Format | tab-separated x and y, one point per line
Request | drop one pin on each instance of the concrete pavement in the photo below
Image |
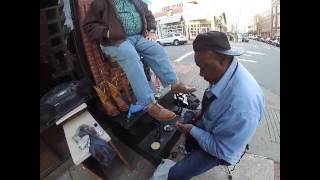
261	162
250	167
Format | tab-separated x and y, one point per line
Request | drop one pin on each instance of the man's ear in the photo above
222	60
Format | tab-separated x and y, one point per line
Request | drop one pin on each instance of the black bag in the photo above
58	102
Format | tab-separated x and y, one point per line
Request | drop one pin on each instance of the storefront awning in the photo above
170	19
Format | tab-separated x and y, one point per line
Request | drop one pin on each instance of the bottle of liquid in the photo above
98	129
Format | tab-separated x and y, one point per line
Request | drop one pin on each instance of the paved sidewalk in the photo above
250	167
260	163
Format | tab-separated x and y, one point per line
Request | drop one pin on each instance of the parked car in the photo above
261	39
239	37
245	39
175	39
268	40
276	43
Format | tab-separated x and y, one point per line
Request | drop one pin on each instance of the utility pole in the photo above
237	25
238	19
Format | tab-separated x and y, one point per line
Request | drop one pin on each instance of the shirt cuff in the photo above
152	30
196	132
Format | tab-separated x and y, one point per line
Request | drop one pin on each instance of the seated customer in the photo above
125	29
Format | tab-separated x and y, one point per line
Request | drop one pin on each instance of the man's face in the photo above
212	67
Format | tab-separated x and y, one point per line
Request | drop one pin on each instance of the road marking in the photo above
247	55
184	56
247	60
254	52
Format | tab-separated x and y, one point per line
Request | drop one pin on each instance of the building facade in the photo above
188	18
275	14
220	23
266	24
170	20
262	24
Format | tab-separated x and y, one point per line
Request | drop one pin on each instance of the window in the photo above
274	22
278	8
273	10
278	21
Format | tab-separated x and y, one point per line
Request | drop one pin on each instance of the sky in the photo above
242	10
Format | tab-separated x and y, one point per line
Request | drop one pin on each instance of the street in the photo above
262	61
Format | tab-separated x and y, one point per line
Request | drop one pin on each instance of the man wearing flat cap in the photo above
232	107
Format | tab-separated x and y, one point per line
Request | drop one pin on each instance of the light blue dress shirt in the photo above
232	118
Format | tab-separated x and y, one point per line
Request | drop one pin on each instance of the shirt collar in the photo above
218	88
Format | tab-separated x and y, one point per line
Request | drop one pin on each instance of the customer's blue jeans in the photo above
194	163
127	55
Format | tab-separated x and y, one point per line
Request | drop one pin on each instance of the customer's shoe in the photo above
116	96
182	88
122	105
110	109
126	87
159	113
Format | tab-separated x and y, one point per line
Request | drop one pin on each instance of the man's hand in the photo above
196	115
184	128
151	36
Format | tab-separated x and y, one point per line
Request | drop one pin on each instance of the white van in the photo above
175	39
